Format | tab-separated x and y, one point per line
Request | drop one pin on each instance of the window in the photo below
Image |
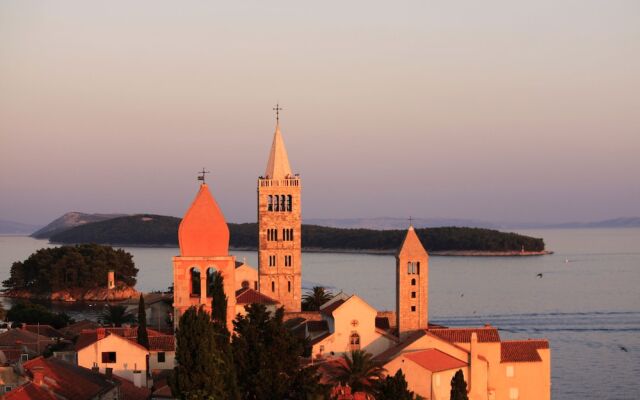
7	388
273	286
270	203
289	201
282	203
255	285
195	281
413	282
510	371
289	286
321	348
354	341
409	267
413	308
24	357
272	261
413	295
513	394
287	261
418	268
161	357
108	356
211	273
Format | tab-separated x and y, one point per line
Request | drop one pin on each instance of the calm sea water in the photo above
587	302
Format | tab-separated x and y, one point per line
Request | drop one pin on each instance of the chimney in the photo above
137	378
108	372
95	369
474	370
100	333
38	375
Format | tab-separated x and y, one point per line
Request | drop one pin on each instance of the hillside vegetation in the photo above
157	230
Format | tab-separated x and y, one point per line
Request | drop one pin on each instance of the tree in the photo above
29	313
222	335
393	388
200	371
311	301
458	387
117	315
266	356
359	371
143	335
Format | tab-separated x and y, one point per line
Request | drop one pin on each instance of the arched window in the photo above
211	275
289	286
270	203
282	203
413	282
275	235
245	284
418	267
195	281
289	202
276	203
354	341
273	286
409	268
291	236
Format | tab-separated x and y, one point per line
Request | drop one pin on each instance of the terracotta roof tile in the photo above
15	338
29	391
158	341
328	310
162	343
522	350
129	391
390	353
463	335
44	330
250	296
435	360
74	330
70	381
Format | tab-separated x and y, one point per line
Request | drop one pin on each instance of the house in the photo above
246	296
10	379
44	330
246	276
28	343
117	350
158	307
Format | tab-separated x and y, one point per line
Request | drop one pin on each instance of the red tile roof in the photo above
328	310
129	391
73	330
12	355
463	335
44	330
14	338
162	343
390	353
250	296
158	341
522	350
70	381
29	391
435	360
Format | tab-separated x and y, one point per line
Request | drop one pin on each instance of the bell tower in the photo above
279	228
203	236
412	290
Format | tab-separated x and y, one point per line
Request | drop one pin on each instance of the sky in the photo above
500	111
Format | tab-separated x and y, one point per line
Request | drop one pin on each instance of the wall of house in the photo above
129	356
530	380
169	357
246	273
418	378
441	383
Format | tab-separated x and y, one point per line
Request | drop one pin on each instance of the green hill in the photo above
159	230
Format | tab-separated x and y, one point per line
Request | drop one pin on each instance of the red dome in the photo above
203	231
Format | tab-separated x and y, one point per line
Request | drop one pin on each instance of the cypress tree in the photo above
143	336
200	370
458	387
393	388
222	335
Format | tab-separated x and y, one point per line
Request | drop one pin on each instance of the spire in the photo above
203	231
411	245
278	165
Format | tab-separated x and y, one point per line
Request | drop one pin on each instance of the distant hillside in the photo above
70	220
158	230
397	223
16	228
629	222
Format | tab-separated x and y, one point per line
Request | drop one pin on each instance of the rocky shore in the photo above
120	292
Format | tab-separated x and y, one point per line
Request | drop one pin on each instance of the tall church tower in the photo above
279	229
412	290
203	236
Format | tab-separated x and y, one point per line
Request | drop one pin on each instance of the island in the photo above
159	230
73	273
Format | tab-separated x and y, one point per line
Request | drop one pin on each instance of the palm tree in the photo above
312	300
117	315
359	371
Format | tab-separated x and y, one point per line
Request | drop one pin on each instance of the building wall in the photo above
248	274
412	294
280	282
129	356
441	383
418	378
530	379
169	363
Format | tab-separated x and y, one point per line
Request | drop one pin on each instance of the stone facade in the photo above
412	279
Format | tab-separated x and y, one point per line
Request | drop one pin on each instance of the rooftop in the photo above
435	360
522	350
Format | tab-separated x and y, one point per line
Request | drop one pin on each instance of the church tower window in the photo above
195	282
270	203
273	286
211	272
354	341
289	286
289	205
413	282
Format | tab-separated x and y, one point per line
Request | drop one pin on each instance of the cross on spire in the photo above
201	174
410	221
277	109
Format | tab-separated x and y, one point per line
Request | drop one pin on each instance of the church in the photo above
429	355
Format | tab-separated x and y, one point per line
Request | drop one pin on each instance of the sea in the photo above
584	298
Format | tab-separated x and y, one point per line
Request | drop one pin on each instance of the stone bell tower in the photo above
412	290
204	249
279	229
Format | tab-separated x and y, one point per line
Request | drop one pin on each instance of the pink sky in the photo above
495	110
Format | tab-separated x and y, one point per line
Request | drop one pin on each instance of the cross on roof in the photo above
277	109
410	221
201	174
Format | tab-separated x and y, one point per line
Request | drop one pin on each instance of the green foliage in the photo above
143	335
393	388
312	300
458	387
359	371
29	313
81	266
116	315
200	370
266	356
162	230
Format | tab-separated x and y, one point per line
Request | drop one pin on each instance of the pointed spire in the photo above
278	166
411	245
203	231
